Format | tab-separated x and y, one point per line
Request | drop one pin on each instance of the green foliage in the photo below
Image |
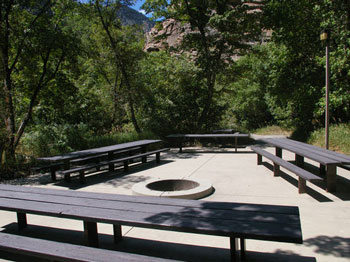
339	138
172	94
219	30
247	89
58	139
298	89
273	130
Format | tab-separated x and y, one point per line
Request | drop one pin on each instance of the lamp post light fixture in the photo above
325	37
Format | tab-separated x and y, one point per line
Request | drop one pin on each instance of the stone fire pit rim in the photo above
203	189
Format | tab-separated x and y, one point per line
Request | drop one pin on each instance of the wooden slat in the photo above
207	135
156	200
308	154
155	209
66	252
99	150
165	221
107	162
321	151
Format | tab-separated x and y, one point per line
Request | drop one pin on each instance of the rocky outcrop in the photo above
168	35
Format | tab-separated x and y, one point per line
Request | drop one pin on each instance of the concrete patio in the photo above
325	217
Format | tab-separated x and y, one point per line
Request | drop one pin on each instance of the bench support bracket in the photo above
331	177
233	248
117	230
302	185
276	169
259	159
21	220
90	234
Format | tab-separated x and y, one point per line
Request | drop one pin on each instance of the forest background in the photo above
73	77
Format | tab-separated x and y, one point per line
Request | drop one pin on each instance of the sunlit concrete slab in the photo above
236	177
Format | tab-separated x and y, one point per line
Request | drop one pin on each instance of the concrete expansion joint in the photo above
206	162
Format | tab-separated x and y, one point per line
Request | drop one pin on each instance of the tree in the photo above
121	55
220	31
34	48
297	86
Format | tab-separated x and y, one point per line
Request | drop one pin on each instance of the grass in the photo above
339	138
273	130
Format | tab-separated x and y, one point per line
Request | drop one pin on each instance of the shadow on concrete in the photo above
148	247
212	151
278	256
291	180
342	184
336	246
117	178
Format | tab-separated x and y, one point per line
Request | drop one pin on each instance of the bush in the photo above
339	138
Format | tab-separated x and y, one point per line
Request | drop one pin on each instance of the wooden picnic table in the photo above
228	219
329	160
181	137
110	150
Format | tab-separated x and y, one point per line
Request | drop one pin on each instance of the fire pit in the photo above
174	188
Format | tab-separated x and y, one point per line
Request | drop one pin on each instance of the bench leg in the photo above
299	160
110	157
67	177
53	173
322	170
82	177
21	220
144	158
233	248
158	157
90	234
111	167
117	230
243	246
331	178
279	152
259	159
276	169
302	185
126	166
236	144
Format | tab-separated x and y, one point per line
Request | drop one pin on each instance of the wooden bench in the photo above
52	167
125	160
277	162
57	251
233	220
100	157
328	159
181	137
109	150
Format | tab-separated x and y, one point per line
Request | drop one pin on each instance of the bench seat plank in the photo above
303	174
233	220
155	200
66	252
182	222
155	209
322	151
302	152
82	169
138	217
287	165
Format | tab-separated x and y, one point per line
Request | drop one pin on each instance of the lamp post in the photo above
325	36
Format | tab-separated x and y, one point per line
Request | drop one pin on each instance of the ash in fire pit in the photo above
174	188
